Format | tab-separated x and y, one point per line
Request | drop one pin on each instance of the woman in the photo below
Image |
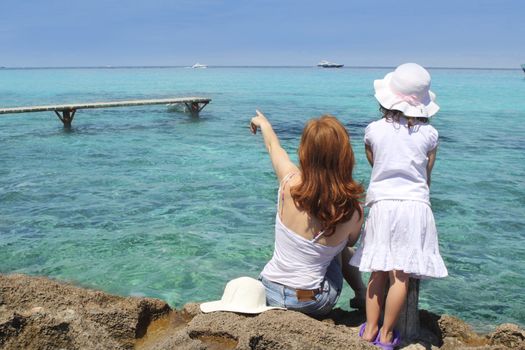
318	215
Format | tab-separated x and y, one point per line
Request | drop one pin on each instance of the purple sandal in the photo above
362	331
388	346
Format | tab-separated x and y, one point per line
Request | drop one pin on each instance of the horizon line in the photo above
239	66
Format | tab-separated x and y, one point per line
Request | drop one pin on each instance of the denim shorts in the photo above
283	296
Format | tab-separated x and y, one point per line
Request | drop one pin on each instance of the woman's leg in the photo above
374	303
395	300
352	276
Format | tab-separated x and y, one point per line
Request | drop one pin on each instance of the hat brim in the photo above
389	100
219	305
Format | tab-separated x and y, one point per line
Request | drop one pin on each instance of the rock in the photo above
274	329
191	310
69	317
451	343
415	347
270	330
10	326
36	310
430	321
453	327
509	335
39	313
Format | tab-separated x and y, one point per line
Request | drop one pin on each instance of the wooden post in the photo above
408	322
66	117
194	108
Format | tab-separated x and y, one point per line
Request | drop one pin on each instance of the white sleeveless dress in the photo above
400	232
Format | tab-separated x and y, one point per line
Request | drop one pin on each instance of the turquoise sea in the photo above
150	202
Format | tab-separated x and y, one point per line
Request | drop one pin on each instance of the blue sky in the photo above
457	33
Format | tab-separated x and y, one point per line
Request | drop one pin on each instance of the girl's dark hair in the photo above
391	115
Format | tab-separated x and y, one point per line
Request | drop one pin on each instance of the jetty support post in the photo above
66	117
195	107
408	323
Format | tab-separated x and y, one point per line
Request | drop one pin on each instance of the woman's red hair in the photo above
327	191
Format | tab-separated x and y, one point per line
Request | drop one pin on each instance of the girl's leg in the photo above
395	300
352	276
374	303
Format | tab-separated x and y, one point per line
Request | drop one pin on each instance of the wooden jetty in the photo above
66	112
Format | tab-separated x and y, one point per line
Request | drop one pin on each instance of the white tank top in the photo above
298	262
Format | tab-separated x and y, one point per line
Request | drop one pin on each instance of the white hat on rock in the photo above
407	89
244	295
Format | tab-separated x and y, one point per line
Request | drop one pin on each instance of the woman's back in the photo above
303	250
307	226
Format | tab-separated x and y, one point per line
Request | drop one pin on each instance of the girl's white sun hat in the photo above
407	89
244	295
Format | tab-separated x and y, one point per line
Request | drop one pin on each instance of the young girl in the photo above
400	237
318	215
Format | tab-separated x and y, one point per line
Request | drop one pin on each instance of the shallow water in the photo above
146	201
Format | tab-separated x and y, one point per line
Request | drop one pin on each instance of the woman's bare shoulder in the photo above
355	222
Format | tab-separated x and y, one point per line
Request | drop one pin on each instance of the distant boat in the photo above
326	64
523	67
198	65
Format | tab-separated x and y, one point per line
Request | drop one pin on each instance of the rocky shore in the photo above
40	313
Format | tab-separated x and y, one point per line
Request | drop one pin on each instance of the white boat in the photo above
523	67
326	64
198	65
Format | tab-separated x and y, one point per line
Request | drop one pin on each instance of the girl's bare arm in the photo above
369	154
431	160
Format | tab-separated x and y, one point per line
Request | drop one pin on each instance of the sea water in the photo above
146	201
